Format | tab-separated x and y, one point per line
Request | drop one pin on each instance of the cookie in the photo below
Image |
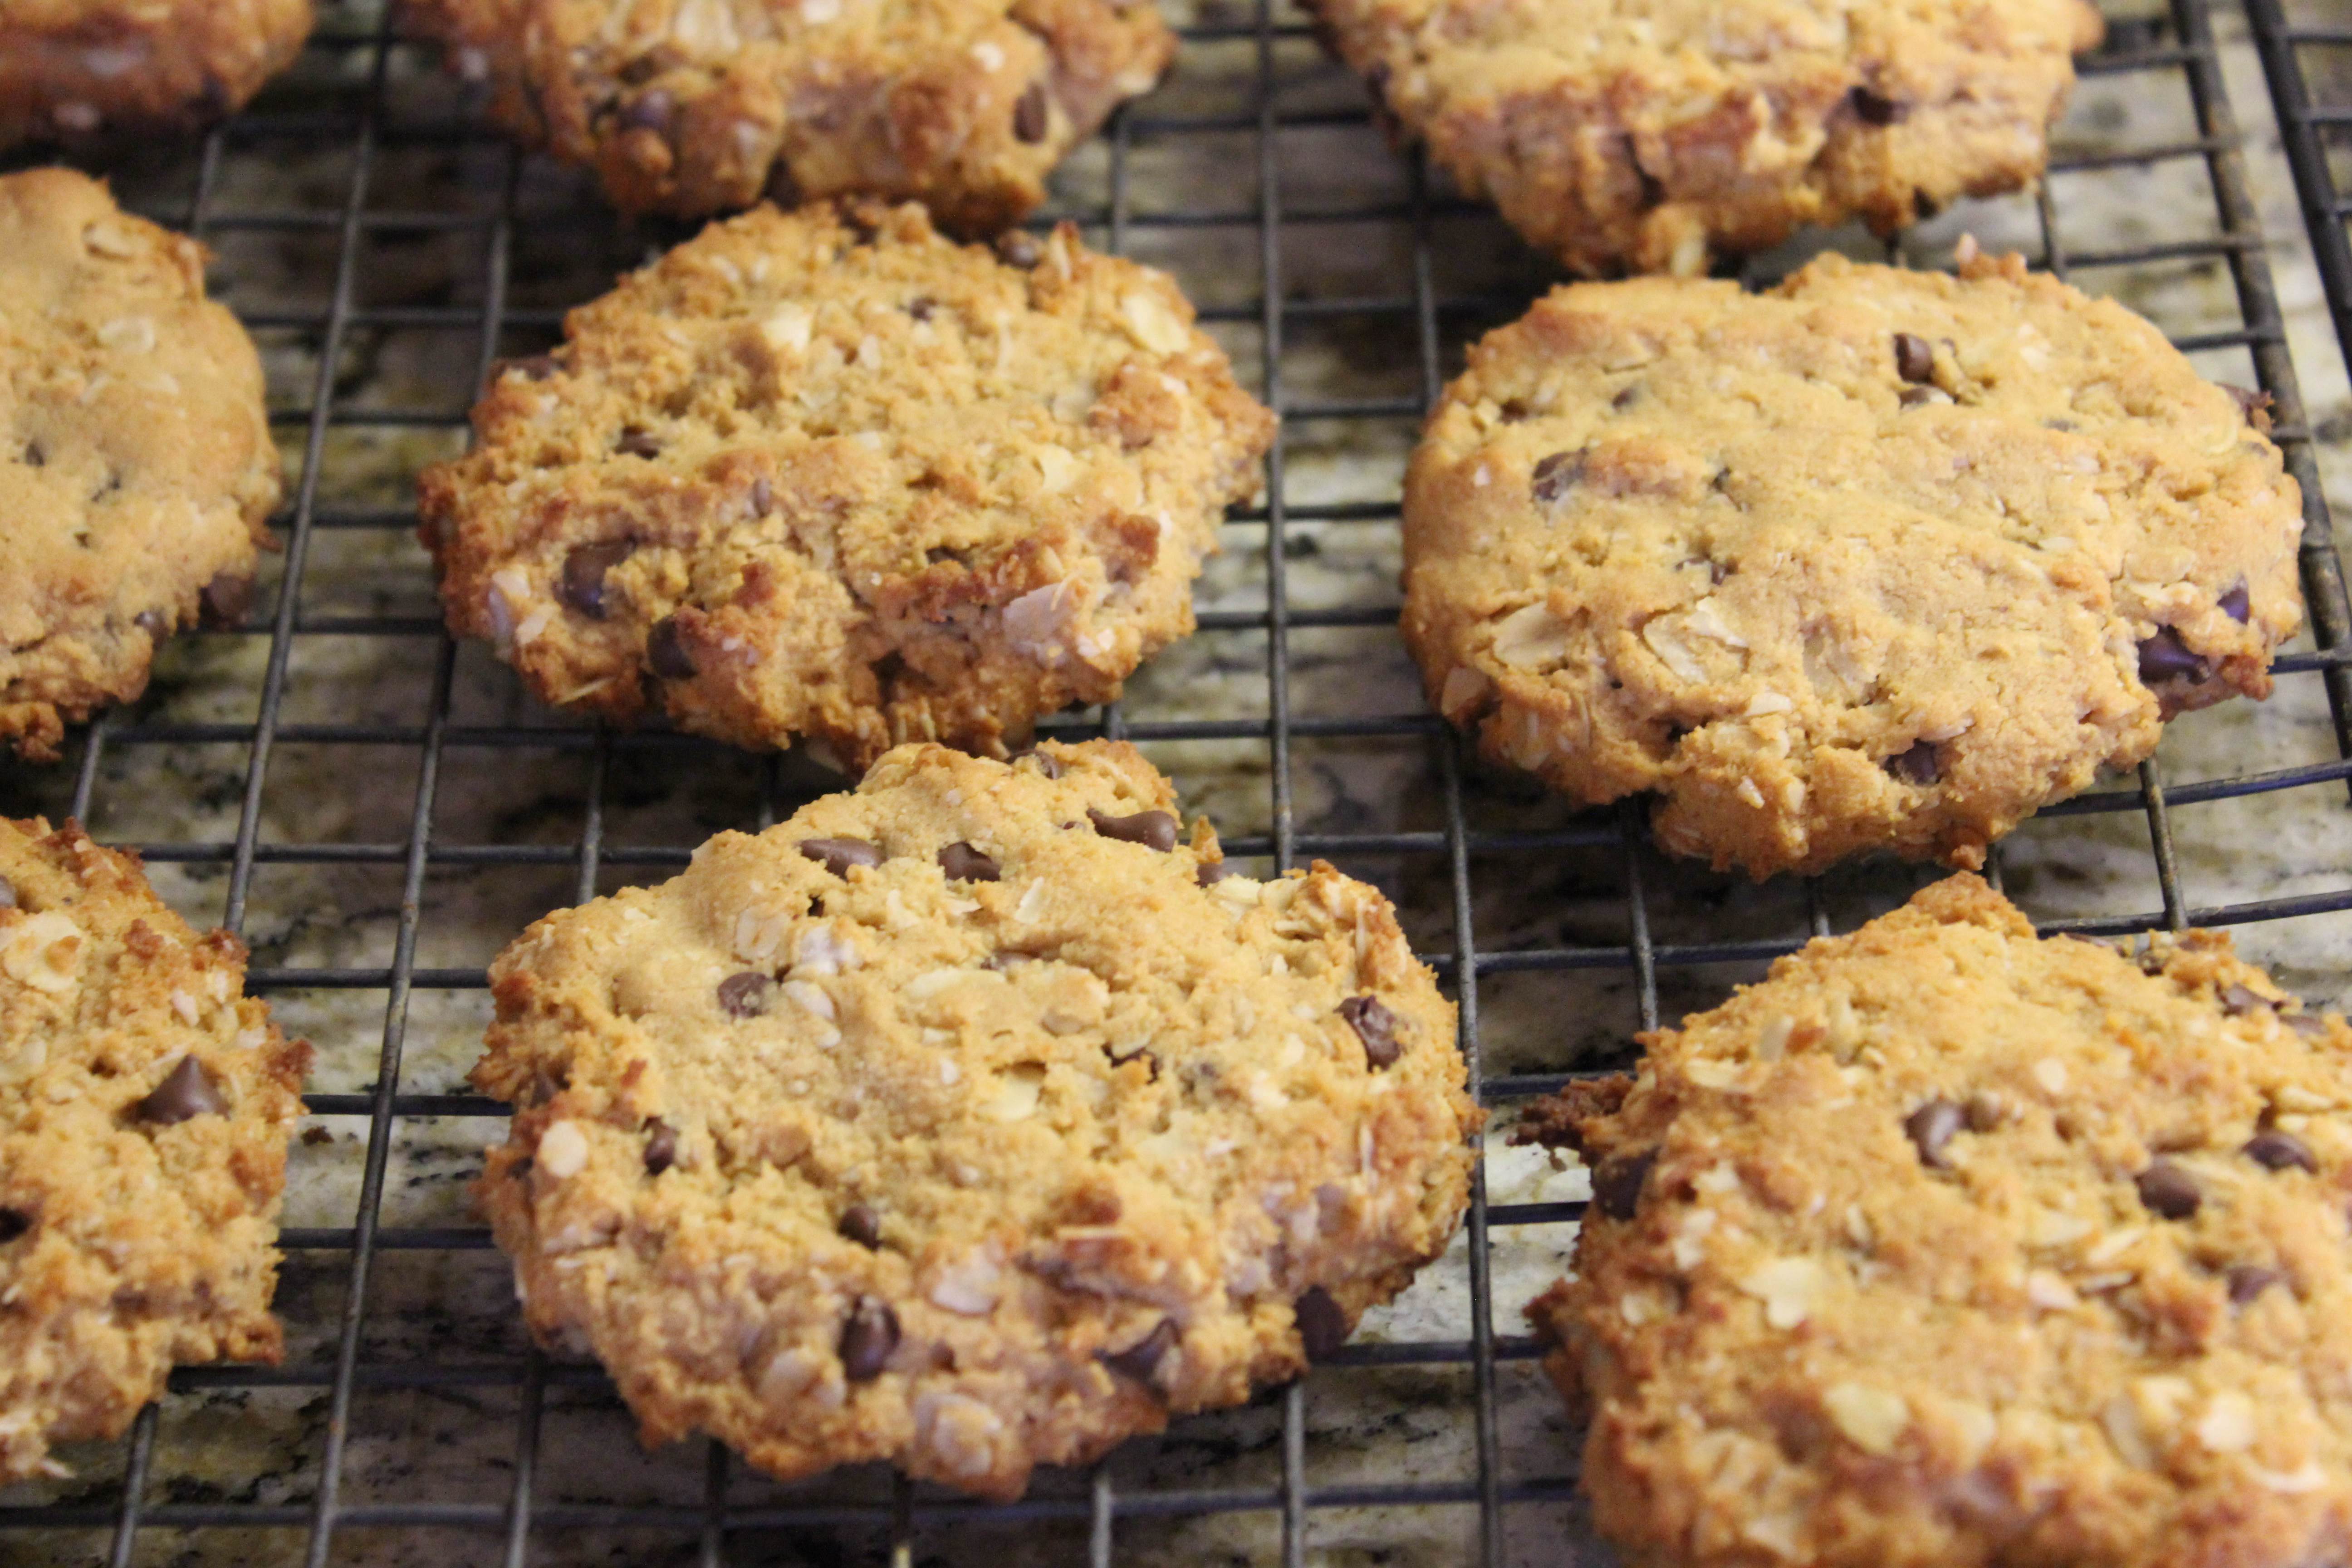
827	474
973	1120
136	469
1650	134
72	68
692	108
1947	1246
1877	559
144	1108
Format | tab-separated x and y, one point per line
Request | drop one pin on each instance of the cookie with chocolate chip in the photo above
136	467
968	1121
1877	559
1649	135
73	69
1947	1245
696	108
827	474
145	1104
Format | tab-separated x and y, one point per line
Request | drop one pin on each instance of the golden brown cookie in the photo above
1946	1246
71	68
144	1108
971	1120
136	467
827	474
1877	559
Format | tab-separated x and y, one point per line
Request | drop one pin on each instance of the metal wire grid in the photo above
2182	46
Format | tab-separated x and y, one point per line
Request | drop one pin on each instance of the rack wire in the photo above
1349	354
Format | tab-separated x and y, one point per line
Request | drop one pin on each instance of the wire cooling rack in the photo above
376	809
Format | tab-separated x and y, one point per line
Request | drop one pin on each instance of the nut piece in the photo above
1872	1419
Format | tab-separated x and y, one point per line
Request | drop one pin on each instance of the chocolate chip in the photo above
225	599
36	456
867	1339
2235	604
1045	761
650	112
1983	1111
2164	657
1917	764
2311	1025
2275	1151
2237	1000
543	1086
14	1223
1872	109
185	1092
2254	405
2247	1280
1626	397
1617	1183
1019	248
661	1139
1555	477
519	1171
1139	1359
1212	872
1029	116
838	855
1931	1127
1921	396
666	651
1152	829
962	863
861	1225
154	623
1914	358
1322	1326
2167	1190
1375	1025
922	307
538	367
582	584
746	995
636	443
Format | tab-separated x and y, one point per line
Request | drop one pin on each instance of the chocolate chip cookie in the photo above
1649	135
136	467
827	474
1877	559
972	1119
72	68
1948	1246
144	1108
692	107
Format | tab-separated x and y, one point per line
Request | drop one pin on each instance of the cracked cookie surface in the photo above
1648	135
70	69
1877	559
144	1108
1945	1244
827	474
136	467
971	1120
696	107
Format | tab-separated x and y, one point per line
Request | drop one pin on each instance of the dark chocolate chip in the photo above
1983	1111
1019	248
1931	1127
185	1092
922	307
1873	109
1212	872
581	585
1914	358
861	1225
1921	396
543	1086
1044	761
1152	829
35	455
1030	117
2309	1025
225	599
962	863
2164	657
763	498
838	855
2275	1151
2247	1280
2235	604
1322	1326
666	651
519	1171
650	112
1139	1359
661	1140
2237	1000
1555	477
636	443
1375	1025
1626	397
1617	1183
1917	764
2254	405
2167	1190
746	995
14	1223
867	1339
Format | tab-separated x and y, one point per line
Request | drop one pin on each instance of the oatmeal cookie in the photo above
71	68
973	1120
144	1108
827	474
1648	135
692	107
136	467
1880	558
1949	1246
